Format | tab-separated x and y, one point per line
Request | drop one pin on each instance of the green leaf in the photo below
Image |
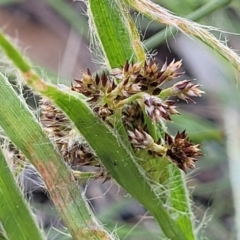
171	188
22	128
16	217
115	32
200	12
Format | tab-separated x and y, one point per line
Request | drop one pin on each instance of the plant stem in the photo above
160	37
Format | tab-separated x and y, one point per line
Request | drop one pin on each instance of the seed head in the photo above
71	145
94	87
133	116
169	72
181	151
186	89
140	139
132	91
158	109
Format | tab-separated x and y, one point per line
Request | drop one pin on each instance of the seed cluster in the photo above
136	92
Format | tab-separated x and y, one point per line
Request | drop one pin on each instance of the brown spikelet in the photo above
186	89
181	151
140	139
158	109
75	151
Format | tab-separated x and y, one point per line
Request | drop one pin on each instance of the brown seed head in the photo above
186	89
140	139
181	151
94	87
158	109
169	72
74	150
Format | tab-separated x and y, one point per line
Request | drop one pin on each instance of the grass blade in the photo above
115	31
199	13
25	132
16	217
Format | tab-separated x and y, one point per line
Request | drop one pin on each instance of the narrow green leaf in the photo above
11	51
172	190
180	201
15	216
23	129
203	33
117	35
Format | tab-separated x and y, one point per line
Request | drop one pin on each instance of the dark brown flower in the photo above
126	88
181	151
169	72
158	109
185	90
133	116
103	111
70	144
147	78
128	83
129	70
140	139
94	87
152	78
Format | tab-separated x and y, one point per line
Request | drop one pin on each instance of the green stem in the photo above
129	99
166	93
19	61
160	37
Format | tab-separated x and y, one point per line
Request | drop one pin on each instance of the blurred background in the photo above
54	36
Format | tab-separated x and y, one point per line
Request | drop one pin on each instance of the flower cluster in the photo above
58	127
136	91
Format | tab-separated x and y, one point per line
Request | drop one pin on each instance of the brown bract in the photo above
94	87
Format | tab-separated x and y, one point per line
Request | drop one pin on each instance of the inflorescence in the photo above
136	93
